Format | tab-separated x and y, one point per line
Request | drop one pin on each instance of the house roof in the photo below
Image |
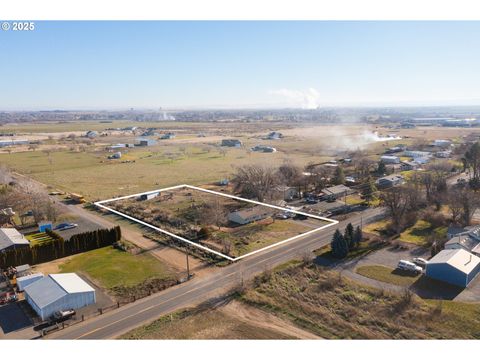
460	259
10	236
337	189
391	178
253	211
464	240
455	230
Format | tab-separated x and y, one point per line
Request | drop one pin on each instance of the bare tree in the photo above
289	173
399	201
455	206
470	203
255	181
213	213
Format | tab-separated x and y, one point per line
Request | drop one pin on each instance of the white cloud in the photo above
306	99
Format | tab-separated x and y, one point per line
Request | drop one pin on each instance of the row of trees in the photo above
24	195
259	182
58	247
341	244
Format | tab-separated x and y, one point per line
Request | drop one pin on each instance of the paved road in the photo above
197	290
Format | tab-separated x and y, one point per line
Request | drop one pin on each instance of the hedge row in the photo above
58	247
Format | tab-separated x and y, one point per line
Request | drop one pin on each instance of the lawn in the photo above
376	228
418	233
386	275
113	268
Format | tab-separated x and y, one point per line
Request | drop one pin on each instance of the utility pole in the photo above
188	265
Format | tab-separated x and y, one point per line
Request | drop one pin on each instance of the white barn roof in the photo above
460	259
71	283
10	236
55	286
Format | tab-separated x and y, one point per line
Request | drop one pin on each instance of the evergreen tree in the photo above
339	177
370	190
348	235
381	169
357	236
339	245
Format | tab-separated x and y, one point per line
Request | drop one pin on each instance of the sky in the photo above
119	65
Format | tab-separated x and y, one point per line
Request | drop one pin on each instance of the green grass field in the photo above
386	275
112	267
418	233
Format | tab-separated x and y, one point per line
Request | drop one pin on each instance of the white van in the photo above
408	266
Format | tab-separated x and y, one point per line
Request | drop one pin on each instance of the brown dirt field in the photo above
231	321
266	320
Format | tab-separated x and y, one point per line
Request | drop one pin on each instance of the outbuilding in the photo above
454	266
10	239
390	159
58	292
24	281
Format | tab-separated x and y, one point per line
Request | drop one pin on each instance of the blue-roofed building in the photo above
454	266
58	292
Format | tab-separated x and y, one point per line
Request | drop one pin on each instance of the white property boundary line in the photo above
100	205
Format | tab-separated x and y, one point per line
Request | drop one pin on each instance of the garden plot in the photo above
225	225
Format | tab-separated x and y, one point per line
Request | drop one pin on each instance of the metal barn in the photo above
59	292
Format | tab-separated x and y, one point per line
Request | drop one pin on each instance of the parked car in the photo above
311	200
420	261
281	216
301	217
62	315
409	266
65	226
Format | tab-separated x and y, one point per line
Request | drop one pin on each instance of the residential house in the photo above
263	148
389	181
336	192
231	142
442	143
249	215
274	135
389	159
167	136
408	165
